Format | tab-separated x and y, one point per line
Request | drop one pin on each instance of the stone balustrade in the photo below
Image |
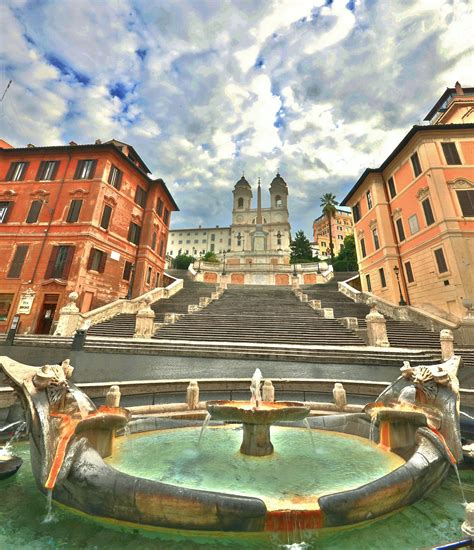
315	304
71	319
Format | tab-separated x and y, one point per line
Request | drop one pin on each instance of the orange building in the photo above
84	218
415	213
341	225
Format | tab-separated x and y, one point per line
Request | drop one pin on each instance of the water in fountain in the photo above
464	501
310	431
5	450
205	424
82	402
50	517
256	396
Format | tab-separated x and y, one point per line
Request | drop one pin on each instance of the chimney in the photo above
30	145
98	141
458	88
72	143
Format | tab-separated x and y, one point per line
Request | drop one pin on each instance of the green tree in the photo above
301	249
328	204
210	257
346	260
182	261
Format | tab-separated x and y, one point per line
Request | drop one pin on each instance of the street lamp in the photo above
402	302
223	266
199	264
294	271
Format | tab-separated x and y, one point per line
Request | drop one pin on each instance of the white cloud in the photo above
204	90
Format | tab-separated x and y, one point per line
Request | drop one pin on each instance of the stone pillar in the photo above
328	312
376	328
295	283
447	344
268	391
112	399
192	395
350	322
144	320
339	394
69	317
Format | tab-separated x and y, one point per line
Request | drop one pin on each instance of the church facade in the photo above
254	229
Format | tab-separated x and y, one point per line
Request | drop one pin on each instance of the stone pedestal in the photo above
144	321
350	322
192	395
376	329
69	317
468	526
268	391
446	339
256	440
339	394
112	399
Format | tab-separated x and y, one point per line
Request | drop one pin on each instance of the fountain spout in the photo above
255	391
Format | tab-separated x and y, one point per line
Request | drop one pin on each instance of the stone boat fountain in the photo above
414	422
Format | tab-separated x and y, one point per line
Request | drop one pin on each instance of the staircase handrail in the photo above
71	319
348	290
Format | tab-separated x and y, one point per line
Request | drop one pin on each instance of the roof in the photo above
242	183
399	147
200	229
136	156
338	210
108	145
278	180
446	95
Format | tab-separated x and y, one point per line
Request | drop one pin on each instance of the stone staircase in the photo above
259	314
123	326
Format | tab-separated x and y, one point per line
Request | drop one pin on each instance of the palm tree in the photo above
328	204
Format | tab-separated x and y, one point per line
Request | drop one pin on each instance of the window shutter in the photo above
103	259
39	174
91	258
466	202
74	210
17	262
118	182
23	171
51	263
33	214
55	169
93	167
68	262
105	221
78	169
10	171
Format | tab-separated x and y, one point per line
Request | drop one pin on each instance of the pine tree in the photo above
301	249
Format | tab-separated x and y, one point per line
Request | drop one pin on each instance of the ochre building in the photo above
84	218
415	213
341	225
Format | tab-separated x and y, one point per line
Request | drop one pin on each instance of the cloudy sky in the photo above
206	89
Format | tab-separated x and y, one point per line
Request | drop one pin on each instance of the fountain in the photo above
256	417
415	425
9	463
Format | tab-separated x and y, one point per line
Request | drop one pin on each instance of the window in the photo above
127	271
18	260
153	241
162	247
451	153
278	202
428	211
47	170
240	203
106	214
369	199
148	276
369	285
5	304
413	223
159	207
74	210
134	233
59	262
97	260
383	282
415	162
85	169
140	196
375	233
5	209
356	212
34	212
17	171
212	247
166	216
115	177
401	231
188	241
441	262
362	248
409	272
213	237
466	202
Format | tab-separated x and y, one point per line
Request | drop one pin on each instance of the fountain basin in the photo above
9	465
266	412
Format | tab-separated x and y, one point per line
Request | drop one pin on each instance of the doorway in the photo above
48	309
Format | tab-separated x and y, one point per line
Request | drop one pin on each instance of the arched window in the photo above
240	203
278	202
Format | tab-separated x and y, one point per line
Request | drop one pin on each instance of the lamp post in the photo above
223	266
199	264
402	302
294	271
